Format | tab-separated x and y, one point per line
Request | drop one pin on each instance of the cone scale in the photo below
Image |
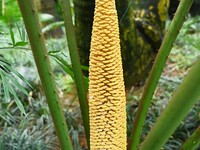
107	102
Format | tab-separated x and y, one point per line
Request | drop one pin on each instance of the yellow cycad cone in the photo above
107	102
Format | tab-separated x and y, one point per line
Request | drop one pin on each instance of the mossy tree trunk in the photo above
141	31
84	13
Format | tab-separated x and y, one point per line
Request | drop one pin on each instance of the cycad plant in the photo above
106	89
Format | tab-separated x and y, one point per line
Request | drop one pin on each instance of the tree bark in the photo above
141	25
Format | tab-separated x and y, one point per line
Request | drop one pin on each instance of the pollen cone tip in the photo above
107	102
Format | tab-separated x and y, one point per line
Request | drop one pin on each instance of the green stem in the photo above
156	71
39	50
78	76
193	141
180	104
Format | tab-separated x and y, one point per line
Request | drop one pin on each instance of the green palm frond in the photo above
10	84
